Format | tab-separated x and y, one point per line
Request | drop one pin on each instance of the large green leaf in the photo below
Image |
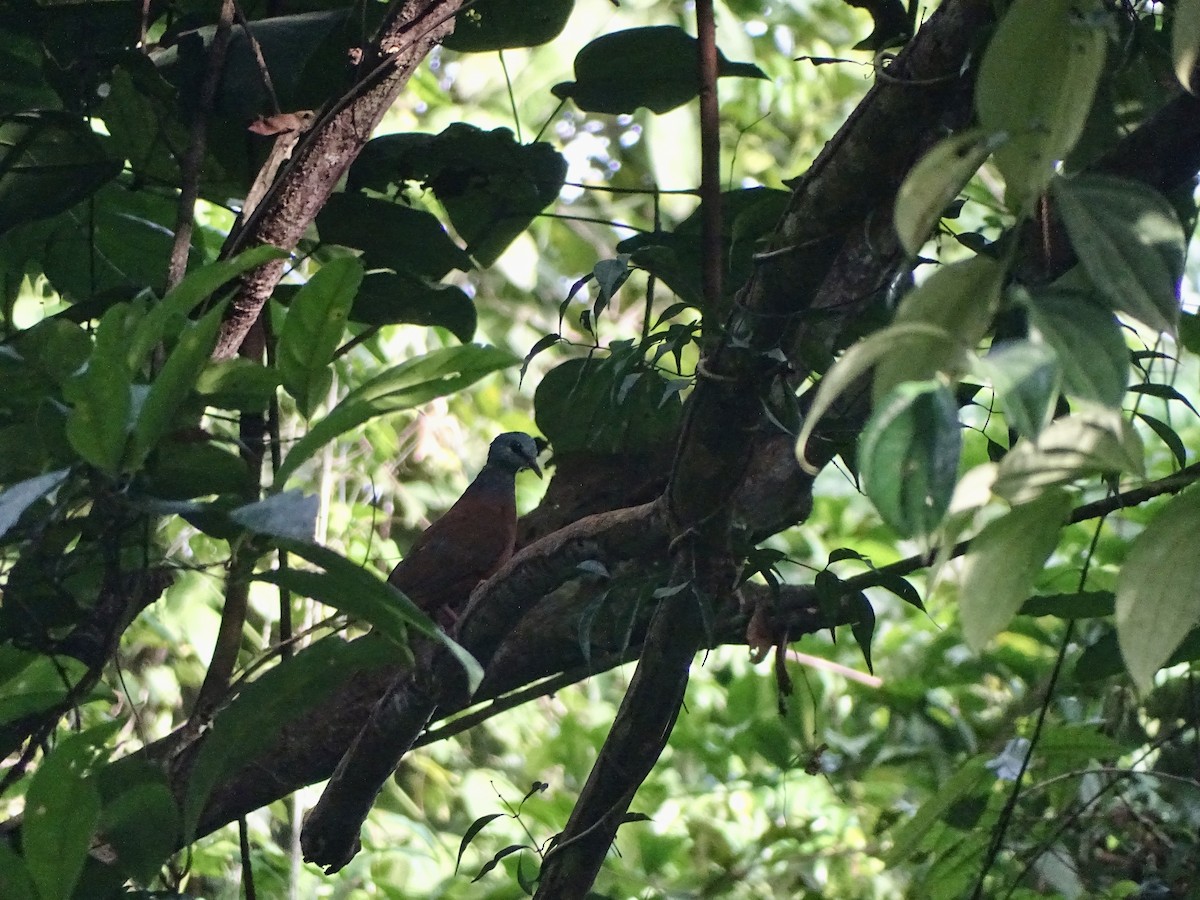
399	299
401	387
908	456
1088	341
1035	87
1157	597
315	323
960	301
1185	40
17	498
610	405
31	682
391	235
49	161
62	809
656	67
1003	562
934	181
491	187
1090	442
1129	241
502	24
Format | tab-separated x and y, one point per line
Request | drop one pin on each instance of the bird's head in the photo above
514	451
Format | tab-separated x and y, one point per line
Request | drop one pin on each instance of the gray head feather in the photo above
514	451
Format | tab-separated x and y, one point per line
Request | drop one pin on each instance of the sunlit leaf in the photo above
1088	341
933	182
1185	40
1157	599
1036	83
1130	242
1025	377
19	497
1002	563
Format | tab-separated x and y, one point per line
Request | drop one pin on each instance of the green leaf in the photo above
908	456
315	323
355	589
391	235
289	514
169	315
908	836
1036	83
503	24
1167	435
401	387
173	386
62	808
1003	562
656	67
612	405
1090	442
1025	377
19	497
1088	340
893	340
401	299
960	300
1185	40
31	682
1080	605
49	161
1130	243
15	880
1157	599
934	182
491	187
141	825
237	383
102	397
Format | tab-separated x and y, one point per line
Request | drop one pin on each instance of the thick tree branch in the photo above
322	156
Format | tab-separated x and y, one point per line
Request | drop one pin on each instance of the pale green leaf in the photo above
1025	377
1090	442
1129	241
401	387
1088	341
1036	84
959	299
1003	562
856	361
1158	588
934	181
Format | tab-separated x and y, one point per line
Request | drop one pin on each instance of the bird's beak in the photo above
534	466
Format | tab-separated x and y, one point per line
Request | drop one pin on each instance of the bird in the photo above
472	539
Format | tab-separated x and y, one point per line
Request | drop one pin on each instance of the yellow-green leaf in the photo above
934	181
1185	40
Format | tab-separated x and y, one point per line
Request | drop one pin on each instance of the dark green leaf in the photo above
1129	240
1164	392
49	161
1025	377
1168	436
863	627
901	588
469	835
391	235
655	67
141	825
31	682
908	455
102	397
315	323
237	383
387	299
495	860
186	470
490	186
1080	605
502	24
172	386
